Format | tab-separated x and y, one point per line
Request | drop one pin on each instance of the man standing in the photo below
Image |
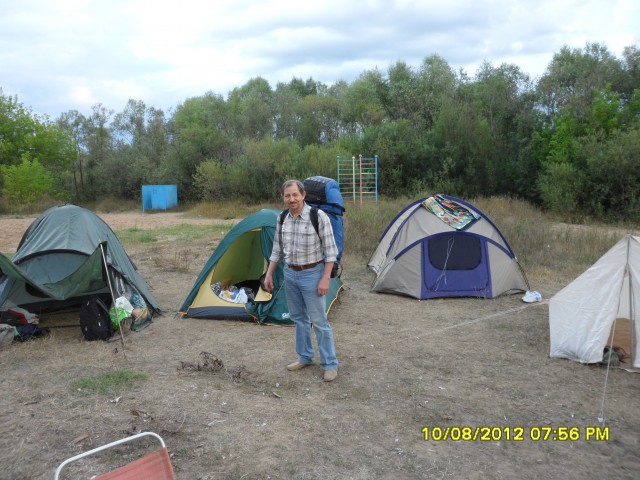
309	258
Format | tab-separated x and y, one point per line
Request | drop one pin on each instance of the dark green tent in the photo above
60	263
240	260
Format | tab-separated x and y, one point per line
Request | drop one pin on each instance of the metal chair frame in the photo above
162	460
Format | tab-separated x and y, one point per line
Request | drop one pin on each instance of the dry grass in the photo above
364	225
36	207
114	204
227	209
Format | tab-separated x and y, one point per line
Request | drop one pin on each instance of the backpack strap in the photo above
313	216
281	218
283	215
314	221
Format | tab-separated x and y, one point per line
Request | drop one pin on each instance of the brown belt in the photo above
297	268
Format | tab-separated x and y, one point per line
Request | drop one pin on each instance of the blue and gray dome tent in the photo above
59	263
441	246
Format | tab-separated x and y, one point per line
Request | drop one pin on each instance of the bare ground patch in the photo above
404	365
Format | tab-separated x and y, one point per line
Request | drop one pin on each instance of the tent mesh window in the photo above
455	252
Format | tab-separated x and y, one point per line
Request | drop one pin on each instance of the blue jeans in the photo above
306	307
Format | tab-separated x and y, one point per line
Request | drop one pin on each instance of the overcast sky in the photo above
59	55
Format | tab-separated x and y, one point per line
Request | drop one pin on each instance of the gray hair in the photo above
289	183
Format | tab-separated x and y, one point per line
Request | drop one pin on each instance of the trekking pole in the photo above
113	297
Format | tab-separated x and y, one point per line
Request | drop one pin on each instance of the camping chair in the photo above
153	466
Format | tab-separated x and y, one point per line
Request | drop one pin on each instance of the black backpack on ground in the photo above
95	321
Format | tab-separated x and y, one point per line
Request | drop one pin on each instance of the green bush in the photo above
211	181
560	187
25	183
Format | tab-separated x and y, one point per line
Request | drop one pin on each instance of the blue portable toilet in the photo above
159	197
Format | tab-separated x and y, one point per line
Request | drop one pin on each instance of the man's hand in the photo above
268	282
323	286
268	277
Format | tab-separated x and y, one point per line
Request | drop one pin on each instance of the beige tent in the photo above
441	246
598	308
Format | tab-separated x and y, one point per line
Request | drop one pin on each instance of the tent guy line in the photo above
471	322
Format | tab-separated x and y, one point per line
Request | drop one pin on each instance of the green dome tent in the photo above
240	260
59	263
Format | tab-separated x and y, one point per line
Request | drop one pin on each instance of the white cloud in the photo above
70	54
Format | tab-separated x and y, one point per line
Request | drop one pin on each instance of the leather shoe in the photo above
297	366
330	375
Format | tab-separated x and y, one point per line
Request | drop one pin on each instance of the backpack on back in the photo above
324	193
95	321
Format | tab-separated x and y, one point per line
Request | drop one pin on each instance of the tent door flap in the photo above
455	264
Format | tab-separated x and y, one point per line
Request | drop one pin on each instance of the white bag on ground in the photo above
7	334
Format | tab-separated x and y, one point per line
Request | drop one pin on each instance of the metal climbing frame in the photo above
358	179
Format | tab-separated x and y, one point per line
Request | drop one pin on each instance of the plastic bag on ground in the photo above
123	303
532	297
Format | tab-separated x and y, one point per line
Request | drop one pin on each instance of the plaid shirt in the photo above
300	245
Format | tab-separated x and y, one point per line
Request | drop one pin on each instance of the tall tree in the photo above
504	96
435	83
200	130
361	105
30	140
630	81
72	122
140	143
251	108
99	146
287	108
402	95
320	121
573	77
17	129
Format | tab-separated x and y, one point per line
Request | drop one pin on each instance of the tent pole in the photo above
113	297
632	320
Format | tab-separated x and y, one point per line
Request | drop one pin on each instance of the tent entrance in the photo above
621	337
455	264
243	261
241	265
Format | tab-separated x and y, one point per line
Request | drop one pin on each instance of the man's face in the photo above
293	198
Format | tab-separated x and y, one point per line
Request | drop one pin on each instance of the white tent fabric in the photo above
582	314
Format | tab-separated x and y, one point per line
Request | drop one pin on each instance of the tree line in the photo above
568	141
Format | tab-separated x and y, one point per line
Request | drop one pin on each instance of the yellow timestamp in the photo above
516	434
